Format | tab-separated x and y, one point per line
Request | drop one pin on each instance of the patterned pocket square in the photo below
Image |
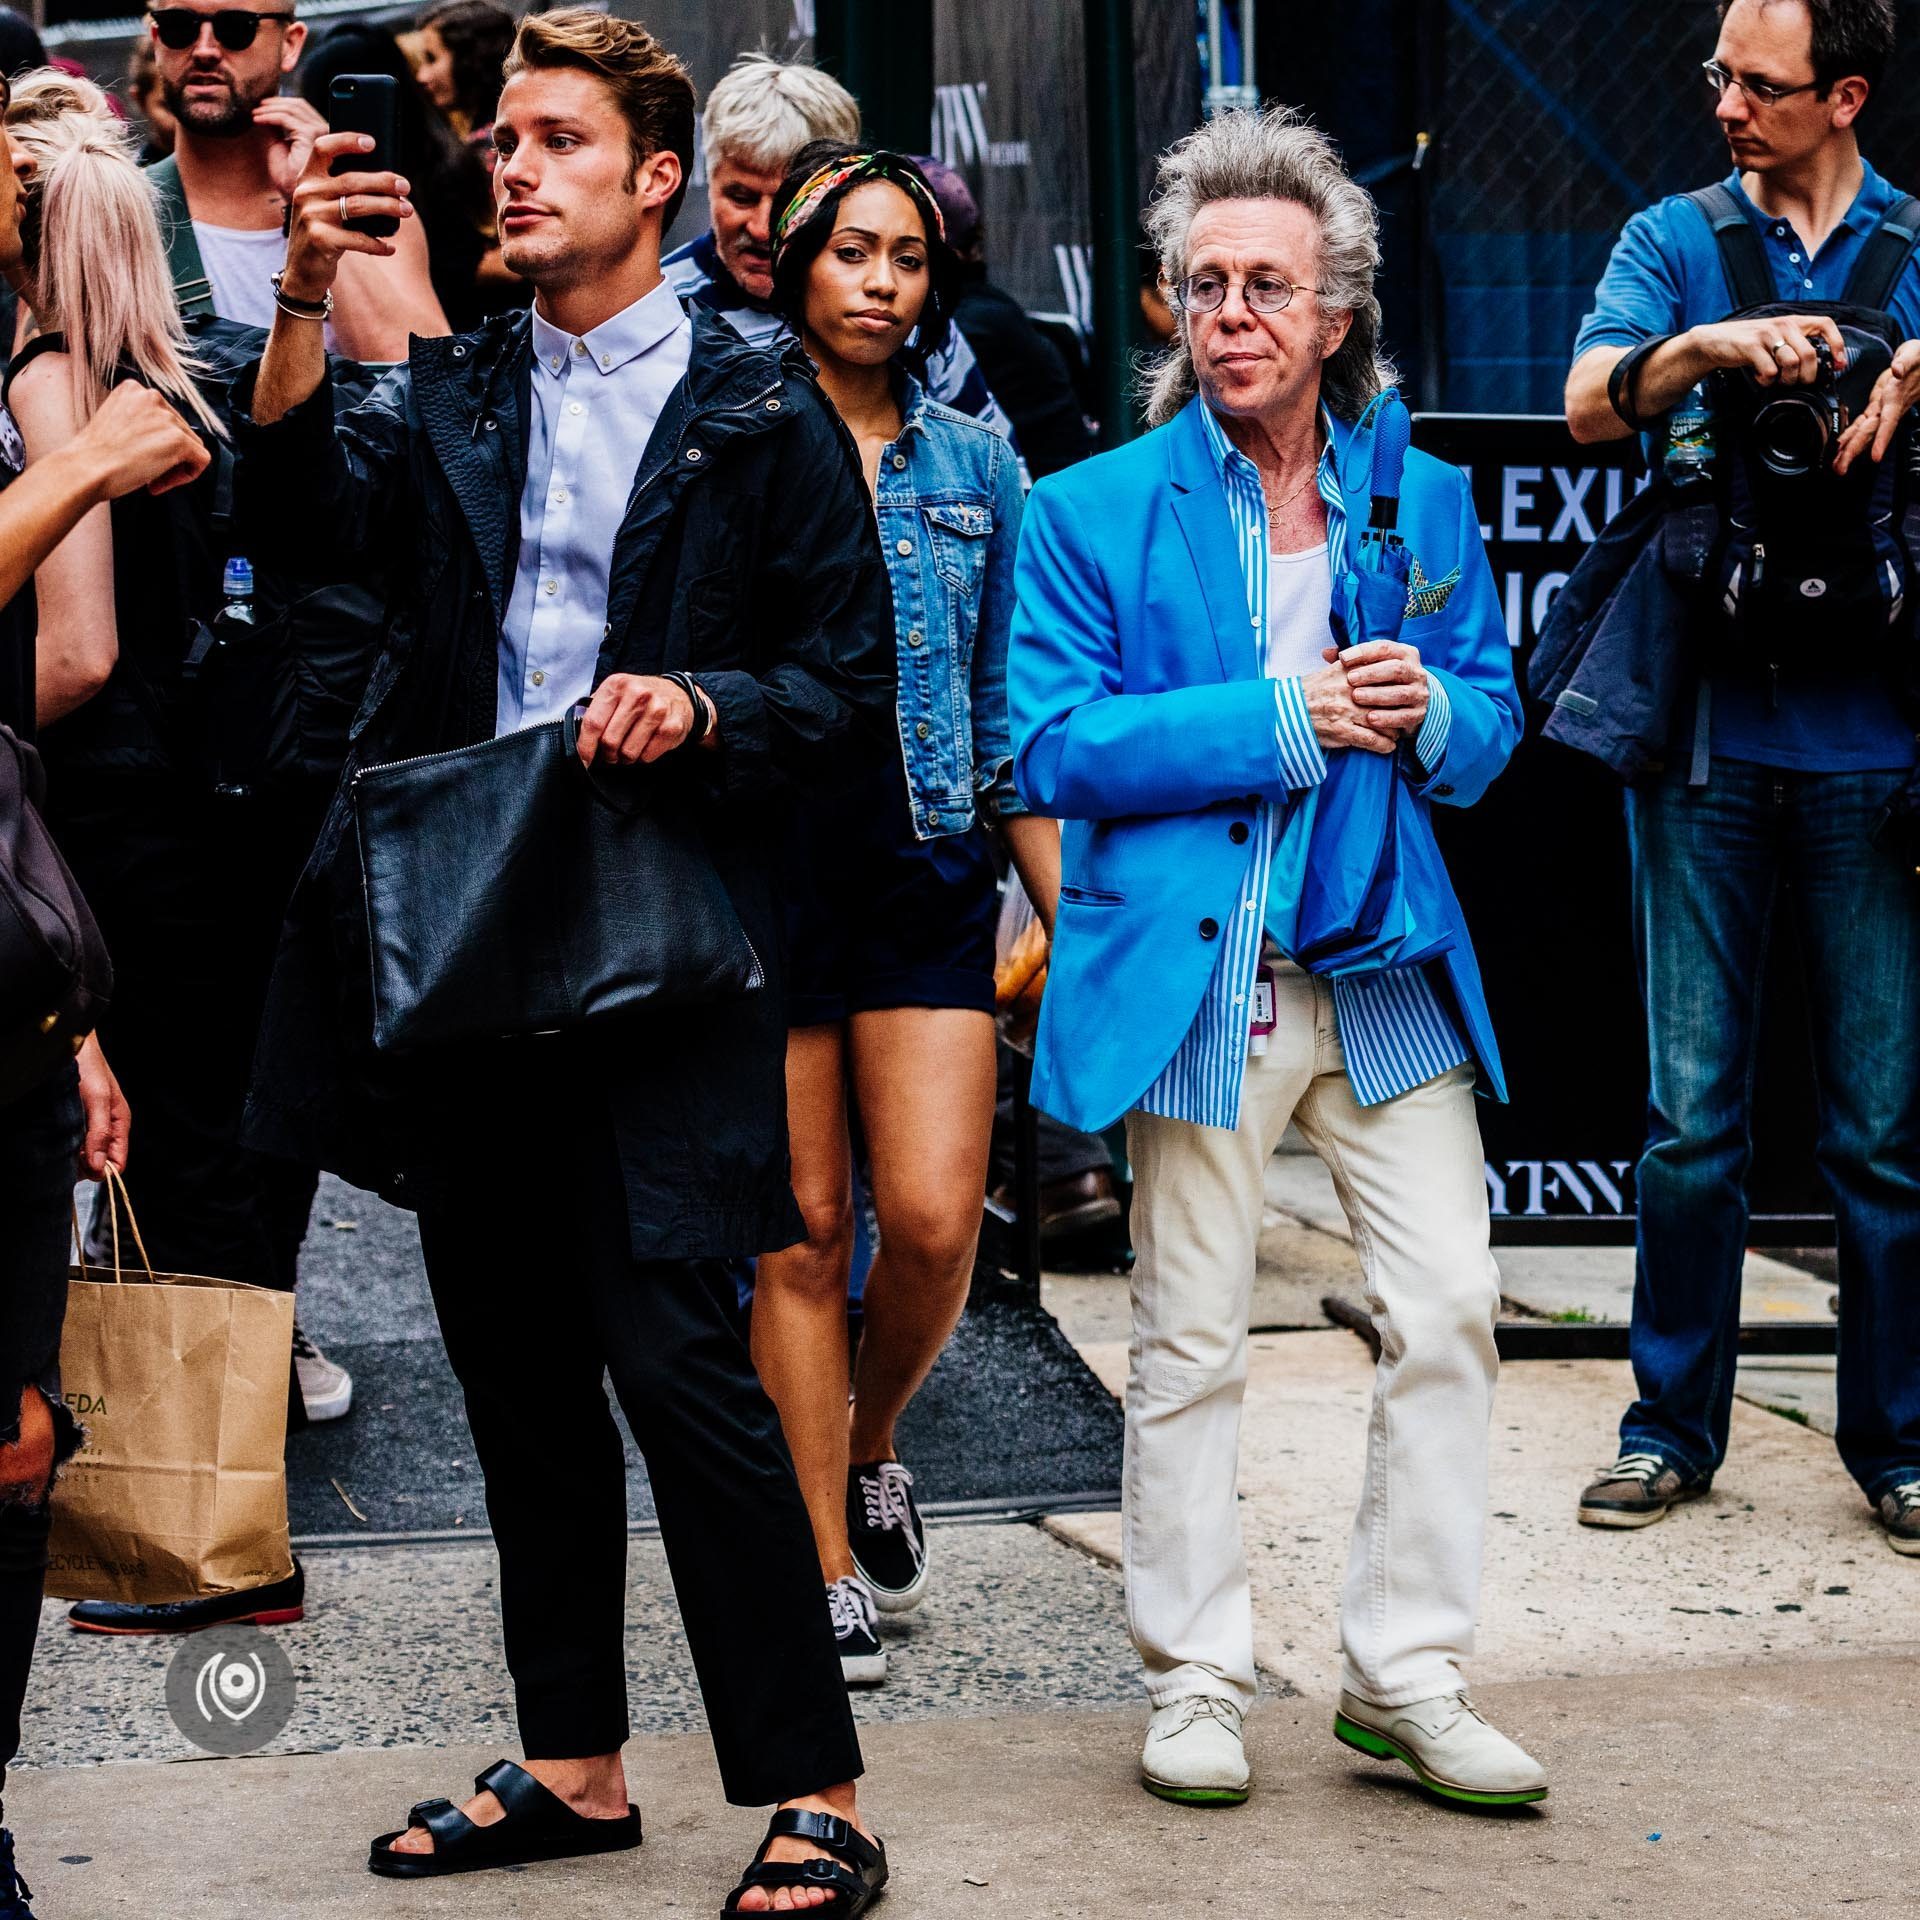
1428	596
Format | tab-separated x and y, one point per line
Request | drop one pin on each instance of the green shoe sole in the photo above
1352	1734
1197	1796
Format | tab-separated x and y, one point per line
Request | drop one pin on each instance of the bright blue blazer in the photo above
1141	720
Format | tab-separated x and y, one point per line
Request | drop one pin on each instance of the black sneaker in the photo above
1636	1491
886	1533
14	1892
856	1631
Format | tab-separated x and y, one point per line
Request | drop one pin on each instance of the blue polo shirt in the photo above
1664	277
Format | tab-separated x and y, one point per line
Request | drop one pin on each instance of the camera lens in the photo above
1792	435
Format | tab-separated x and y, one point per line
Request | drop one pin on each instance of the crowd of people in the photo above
316	463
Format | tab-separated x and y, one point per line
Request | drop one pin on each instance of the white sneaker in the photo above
1194	1753
325	1390
1450	1748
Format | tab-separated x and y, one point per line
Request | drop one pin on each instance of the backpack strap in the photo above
1884	258
192	290
1742	258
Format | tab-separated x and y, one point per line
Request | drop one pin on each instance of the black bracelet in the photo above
697	698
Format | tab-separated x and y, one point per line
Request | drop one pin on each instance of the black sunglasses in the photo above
234	28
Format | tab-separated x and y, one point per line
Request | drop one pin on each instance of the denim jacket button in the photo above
899	460
903	548
922	731
915	638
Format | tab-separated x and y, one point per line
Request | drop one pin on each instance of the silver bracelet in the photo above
321	309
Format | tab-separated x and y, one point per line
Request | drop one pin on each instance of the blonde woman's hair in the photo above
90	229
762	111
1273	154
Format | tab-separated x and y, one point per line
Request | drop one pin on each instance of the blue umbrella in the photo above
1356	866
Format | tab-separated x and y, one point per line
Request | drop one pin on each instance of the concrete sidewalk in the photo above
1770	1790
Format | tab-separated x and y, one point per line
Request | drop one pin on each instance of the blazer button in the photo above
1209	929
1442	792
1237	833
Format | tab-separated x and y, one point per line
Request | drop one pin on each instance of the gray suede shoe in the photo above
1636	1491
1900	1515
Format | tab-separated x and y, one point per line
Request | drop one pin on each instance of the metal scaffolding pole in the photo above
1113	180
881	51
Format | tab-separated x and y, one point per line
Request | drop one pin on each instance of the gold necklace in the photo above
1274	512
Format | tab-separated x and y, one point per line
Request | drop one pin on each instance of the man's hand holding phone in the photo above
317	231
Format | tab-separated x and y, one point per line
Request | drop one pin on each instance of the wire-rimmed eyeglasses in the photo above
1760	92
1263	292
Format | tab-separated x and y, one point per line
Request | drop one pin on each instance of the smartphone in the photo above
368	103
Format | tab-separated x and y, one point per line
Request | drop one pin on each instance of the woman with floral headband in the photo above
891	889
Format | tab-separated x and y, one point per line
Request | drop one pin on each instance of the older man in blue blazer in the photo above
1175	690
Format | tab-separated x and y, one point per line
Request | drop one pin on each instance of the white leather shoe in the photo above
1194	1754
1450	1748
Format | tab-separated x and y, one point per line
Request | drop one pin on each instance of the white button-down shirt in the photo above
595	400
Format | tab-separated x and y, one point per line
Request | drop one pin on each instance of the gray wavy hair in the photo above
1272	154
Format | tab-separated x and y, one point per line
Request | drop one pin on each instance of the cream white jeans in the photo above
1410	1178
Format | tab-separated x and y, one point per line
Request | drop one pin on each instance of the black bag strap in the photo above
1884	258
1742	258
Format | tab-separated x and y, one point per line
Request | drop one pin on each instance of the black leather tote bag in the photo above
54	974
510	890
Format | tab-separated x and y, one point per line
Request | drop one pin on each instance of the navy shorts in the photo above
876	918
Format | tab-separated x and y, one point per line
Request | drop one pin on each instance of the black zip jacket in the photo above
748	557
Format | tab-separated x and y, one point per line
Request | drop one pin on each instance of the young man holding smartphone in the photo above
596	502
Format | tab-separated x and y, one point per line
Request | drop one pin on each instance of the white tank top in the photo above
1299	610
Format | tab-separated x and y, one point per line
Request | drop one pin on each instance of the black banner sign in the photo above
1541	868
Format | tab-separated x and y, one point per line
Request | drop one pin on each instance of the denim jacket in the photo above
949	503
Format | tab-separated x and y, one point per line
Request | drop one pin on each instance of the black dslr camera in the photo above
1793	432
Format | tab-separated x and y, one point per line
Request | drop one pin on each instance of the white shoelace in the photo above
850	1608
1644	1467
884	1494
1907	1493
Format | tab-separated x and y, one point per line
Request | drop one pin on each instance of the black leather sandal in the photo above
539	1825
858	1882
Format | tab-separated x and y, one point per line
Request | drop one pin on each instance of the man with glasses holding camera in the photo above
1789	760
240	147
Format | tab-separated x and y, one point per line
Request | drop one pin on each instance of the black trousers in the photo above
190	889
540	1301
39	1135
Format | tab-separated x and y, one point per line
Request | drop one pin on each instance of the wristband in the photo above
1620	383
697	698
291	303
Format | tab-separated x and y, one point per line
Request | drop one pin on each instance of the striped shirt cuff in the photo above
1430	746
1302	764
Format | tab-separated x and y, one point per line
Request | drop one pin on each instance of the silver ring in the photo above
1779	346
344	198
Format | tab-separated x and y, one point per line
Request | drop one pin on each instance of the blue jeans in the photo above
1711	865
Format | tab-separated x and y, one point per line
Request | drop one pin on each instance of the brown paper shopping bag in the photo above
180	1381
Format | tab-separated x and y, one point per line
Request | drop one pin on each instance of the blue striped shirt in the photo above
1394	1029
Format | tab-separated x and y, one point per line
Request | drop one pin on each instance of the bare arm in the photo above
317	242
1778	352
78	639
134	440
378	304
1033	845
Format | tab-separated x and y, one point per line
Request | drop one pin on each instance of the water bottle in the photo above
236	588
1690	447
